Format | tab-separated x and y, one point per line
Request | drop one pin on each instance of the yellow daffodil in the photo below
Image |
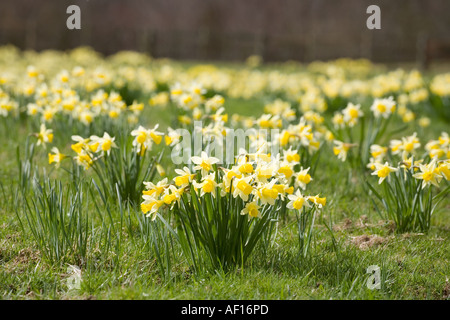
266	193
383	171
204	163
252	209
297	201
102	144
302	178
242	188
44	136
55	156
319	202
207	185
383	107
341	149
429	174
352	113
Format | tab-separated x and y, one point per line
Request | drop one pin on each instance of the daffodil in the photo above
264	171
444	140
145	138
378	152
103	144
157	189
207	185
136	107
383	107
297	201
245	168
150	206
291	156
226	186
55	156
408	163
268	121
171	195
80	145
302	178
341	149
242	188
218	115
383	171
204	163
172	137
424	122
197	89
352	113
84	159
266	192
283	189
286	169
161	170
371	164
33	109
214	103
409	145
319	202
252	209
396	146
184	177
429	174
44	136
338	120
444	169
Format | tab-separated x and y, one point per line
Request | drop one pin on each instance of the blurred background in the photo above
278	30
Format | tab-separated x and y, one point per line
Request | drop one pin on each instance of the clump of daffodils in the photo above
406	191
256	179
118	164
91	149
241	201
408	147
356	132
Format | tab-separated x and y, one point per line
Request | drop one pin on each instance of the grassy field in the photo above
413	266
118	255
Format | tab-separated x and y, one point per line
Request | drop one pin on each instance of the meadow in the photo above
348	168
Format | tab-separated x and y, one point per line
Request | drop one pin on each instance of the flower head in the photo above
204	163
383	171
55	157
103	144
297	201
44	136
383	107
352	113
429	174
252	209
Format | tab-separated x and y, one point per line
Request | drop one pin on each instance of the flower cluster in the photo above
257	179
407	150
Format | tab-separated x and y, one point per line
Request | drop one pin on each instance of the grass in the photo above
126	256
121	258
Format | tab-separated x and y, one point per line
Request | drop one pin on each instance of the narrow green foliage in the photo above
58	221
215	229
305	224
405	201
126	169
